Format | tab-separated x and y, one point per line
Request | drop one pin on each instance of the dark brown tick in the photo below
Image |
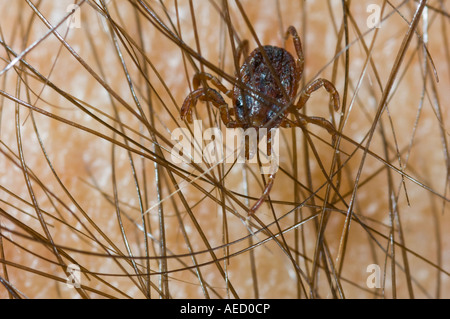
264	94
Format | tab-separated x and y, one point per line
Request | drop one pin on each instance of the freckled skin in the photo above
252	110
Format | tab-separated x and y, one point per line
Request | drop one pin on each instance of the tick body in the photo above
264	94
251	108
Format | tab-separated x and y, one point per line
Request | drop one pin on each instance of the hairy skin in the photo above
78	157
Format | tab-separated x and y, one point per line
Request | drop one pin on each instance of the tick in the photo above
264	94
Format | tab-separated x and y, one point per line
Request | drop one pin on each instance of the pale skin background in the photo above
412	214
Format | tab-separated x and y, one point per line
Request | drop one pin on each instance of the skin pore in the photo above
98	151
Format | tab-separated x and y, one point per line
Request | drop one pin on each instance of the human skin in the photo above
415	206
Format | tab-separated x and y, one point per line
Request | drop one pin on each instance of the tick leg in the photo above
320	121
262	199
298	47
203	76
285	123
317	84
212	96
304	97
241	51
